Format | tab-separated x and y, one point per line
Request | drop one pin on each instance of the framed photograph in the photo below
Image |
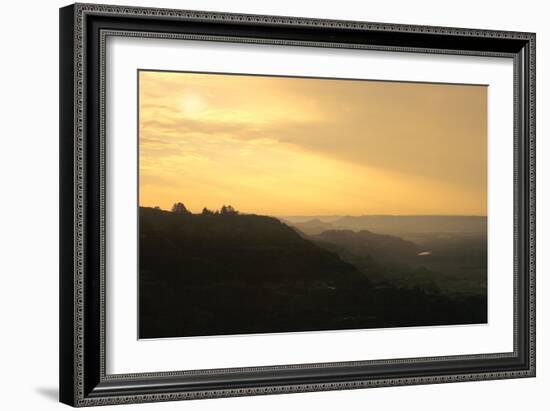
261	204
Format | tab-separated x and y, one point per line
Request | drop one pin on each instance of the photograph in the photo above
278	204
286	201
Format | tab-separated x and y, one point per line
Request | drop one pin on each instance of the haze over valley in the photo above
444	253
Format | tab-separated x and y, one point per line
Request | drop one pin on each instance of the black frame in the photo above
83	30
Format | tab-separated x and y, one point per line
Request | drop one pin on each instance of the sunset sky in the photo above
296	146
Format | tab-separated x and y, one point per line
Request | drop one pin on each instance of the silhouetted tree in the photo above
206	211
157	208
228	210
180	209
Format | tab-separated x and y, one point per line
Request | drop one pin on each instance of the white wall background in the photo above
29	205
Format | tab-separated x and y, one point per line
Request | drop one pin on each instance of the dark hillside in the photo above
381	246
235	248
450	263
239	274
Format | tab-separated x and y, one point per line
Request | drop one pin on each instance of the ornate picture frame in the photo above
84	31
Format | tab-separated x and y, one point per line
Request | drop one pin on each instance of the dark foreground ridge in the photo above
212	274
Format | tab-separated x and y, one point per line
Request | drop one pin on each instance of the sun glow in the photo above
193	104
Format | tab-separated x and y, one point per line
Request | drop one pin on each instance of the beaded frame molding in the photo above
84	29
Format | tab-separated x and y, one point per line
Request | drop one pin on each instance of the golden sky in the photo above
297	146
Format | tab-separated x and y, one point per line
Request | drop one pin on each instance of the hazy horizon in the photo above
296	147
328	216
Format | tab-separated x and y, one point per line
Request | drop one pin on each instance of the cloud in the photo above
428	135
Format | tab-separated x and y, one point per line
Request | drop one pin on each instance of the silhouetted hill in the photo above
241	274
364	243
454	263
392	224
312	227
235	248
